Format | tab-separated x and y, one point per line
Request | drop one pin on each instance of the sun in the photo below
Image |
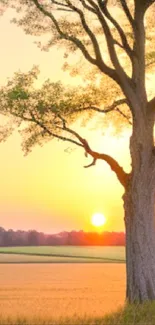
98	219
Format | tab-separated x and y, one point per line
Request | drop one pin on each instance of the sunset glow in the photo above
49	190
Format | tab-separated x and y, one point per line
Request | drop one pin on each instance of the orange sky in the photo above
49	190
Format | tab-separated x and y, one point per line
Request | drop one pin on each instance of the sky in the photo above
49	190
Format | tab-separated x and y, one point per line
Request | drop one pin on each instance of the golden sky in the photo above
49	190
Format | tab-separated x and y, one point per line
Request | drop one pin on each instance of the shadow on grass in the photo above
129	315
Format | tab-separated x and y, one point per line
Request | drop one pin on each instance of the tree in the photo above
33	238
80	25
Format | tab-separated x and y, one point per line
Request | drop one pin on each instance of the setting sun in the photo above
98	219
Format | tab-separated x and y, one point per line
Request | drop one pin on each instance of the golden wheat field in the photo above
54	290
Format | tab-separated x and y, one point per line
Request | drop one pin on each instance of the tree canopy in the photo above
116	53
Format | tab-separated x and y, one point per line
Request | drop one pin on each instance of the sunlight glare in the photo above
98	219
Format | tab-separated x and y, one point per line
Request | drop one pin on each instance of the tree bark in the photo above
139	217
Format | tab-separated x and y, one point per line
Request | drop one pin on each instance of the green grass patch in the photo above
130	315
105	254
19	258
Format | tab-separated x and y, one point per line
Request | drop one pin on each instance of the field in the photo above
54	290
62	254
27	259
71	293
32	288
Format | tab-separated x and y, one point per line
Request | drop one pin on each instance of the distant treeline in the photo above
35	238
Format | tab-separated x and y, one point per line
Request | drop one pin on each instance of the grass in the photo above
129	315
18	258
87	254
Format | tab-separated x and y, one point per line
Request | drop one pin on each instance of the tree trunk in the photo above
139	219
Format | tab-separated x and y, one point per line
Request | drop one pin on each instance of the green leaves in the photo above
150	58
17	94
43	111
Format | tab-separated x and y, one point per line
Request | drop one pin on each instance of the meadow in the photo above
62	254
33	259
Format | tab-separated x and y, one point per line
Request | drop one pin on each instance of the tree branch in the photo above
124	115
138	73
151	105
88	31
99	63
87	7
148	3
123	80
105	110
125	44
121	174
65	36
92	164
128	13
113	107
46	130
118	74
